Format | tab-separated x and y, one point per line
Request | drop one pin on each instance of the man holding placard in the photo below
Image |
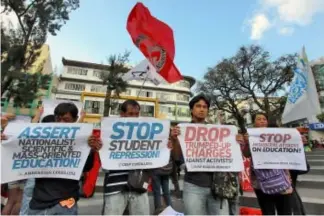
209	152
117	195
54	154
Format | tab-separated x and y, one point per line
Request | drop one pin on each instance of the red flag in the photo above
155	40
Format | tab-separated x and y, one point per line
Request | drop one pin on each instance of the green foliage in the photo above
112	78
20	46
320	117
25	89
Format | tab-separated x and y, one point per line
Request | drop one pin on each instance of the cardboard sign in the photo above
210	148
44	151
277	148
134	143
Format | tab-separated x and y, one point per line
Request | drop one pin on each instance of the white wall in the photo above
90	76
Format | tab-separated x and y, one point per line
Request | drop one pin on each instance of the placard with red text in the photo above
210	148
277	148
245	175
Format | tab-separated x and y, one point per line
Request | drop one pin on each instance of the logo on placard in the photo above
299	85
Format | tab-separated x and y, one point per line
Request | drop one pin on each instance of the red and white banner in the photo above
210	148
155	40
245	175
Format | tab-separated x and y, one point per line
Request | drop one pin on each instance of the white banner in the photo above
134	143
21	119
303	100
277	148
44	151
210	148
49	106
144	71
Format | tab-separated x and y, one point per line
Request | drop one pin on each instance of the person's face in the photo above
200	110
260	121
66	118
132	111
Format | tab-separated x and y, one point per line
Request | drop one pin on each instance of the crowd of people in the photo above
49	196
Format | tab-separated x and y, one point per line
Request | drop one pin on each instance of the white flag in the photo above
302	101
144	71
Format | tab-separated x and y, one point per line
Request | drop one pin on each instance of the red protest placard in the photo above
245	175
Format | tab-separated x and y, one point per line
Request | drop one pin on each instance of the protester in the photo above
197	196
13	190
270	204
298	207
60	196
175	175
30	183
234	203
160	180
117	193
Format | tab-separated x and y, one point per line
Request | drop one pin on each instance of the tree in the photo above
219	84
259	77
25	89
112	78
249	77
320	117
36	18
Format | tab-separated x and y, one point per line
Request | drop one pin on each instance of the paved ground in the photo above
93	206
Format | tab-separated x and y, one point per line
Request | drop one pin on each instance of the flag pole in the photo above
139	92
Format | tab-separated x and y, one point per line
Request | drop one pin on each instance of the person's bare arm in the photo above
13	204
82	116
177	152
10	116
38	115
243	140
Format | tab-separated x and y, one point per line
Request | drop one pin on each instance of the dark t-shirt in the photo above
50	191
201	179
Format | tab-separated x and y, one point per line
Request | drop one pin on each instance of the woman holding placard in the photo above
272	200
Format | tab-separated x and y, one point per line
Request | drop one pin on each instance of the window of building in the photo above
144	93
58	98
164	109
164	96
75	86
115	110
171	111
97	73
94	107
127	92
147	111
77	71
183	112
183	97
97	88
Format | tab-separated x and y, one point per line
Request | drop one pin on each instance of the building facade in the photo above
78	77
